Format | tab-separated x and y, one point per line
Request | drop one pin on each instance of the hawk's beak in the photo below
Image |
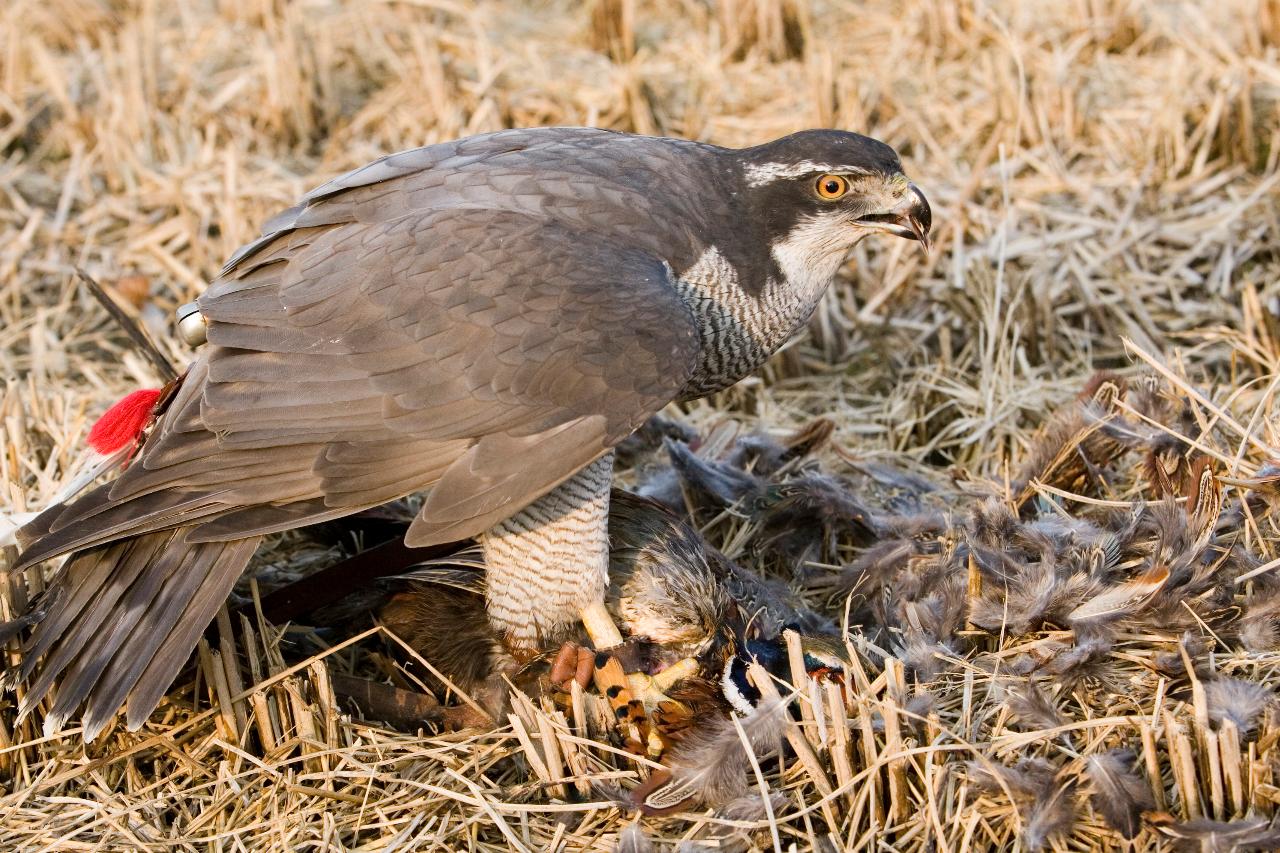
911	218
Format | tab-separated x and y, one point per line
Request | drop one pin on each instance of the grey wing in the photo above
485	355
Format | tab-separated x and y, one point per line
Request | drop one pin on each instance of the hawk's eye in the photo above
831	187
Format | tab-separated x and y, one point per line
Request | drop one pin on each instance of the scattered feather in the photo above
633	840
1072	448
1045	799
1236	836
751	807
1259	627
1121	599
711	765
1119	794
1239	701
1033	707
725	484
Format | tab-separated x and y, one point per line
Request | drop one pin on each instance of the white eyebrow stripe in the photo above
758	175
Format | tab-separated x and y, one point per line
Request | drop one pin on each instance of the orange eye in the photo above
831	187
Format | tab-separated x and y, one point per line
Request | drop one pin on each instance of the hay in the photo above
1104	176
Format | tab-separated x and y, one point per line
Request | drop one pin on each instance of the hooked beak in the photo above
911	218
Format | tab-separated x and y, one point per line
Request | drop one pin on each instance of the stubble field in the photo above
1105	182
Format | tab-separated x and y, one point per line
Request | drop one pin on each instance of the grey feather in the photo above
1119	794
1213	836
1033	707
123	619
633	840
712	764
1239	701
1044	799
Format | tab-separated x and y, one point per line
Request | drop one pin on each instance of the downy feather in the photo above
1119	794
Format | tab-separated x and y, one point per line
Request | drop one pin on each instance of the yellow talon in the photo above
651	689
677	672
599	625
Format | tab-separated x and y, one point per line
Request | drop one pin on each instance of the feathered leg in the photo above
547	566
549	563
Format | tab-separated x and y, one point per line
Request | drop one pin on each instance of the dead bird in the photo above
448	628
674	596
800	516
670	586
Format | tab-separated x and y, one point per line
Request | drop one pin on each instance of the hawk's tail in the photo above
120	620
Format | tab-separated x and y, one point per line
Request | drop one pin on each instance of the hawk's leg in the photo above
547	566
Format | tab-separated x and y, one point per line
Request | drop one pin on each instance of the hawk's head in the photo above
820	191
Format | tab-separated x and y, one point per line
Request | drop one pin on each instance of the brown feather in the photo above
1204	500
1073	446
122	619
1043	797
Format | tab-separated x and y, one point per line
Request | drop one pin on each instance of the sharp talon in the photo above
649	690
677	672
669	714
634	697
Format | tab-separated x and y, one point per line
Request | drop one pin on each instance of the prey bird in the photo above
675	597
481	321
681	603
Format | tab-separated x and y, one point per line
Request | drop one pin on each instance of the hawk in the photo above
481	321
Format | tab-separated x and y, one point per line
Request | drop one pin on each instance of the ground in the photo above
1104	176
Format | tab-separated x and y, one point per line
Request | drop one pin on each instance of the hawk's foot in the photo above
638	699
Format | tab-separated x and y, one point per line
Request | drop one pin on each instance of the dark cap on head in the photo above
833	148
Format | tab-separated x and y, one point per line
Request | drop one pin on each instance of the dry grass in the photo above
1104	175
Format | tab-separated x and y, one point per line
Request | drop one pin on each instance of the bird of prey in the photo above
480	321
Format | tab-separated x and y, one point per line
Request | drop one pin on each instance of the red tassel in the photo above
124	422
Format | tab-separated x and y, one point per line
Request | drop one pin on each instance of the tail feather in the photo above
38	526
94	520
79	582
201	606
121	619
99	631
77	608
